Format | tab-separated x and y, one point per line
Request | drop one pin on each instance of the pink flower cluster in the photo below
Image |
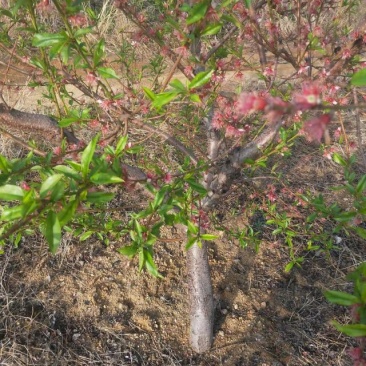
226	118
274	108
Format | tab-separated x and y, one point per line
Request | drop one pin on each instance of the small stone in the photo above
221	333
76	336
263	304
224	311
47	279
236	306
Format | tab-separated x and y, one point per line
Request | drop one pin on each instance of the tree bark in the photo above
201	298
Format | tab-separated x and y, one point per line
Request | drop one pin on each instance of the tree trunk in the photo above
201	298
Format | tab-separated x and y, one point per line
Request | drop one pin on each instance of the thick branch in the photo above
229	168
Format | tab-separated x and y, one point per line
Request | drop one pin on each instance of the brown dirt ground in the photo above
88	305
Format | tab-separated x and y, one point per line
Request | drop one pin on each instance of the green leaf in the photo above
107	73
65	53
149	93
197	12
82	31
200	79
10	192
232	19
86	235
7	13
345	216
178	85
129	250
4	164
57	48
48	184
196	186
105	178
159	197
211	29
359	78
191	242
339	159
164	98
361	184
68	172
13	213
352	330
248	3
67	213
49	39
289	266
361	232
208	237
58	191
195	98
99	197
99	52
192	228
341	298
87	155
53	232
150	264
121	144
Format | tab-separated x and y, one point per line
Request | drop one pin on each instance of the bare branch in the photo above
228	168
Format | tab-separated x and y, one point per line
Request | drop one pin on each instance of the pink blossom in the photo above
218	120
220	64
271	194
355	353
272	28
237	64
232	131
337	133
315	128
105	104
182	50
141	18
211	15
164	51
103	143
43	5
150	177
318	31
250	103
332	89
188	70
346	54
167	178
120	3
268	71
25	186
217	78
105	130
78	20
91	78
57	150
303	69
308	97
94	124
275	109
328	152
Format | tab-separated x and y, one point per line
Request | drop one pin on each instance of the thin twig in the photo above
22	143
358	126
171	73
